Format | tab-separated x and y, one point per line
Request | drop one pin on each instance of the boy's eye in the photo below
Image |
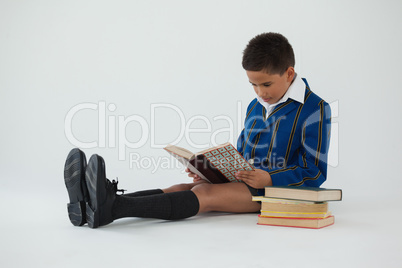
264	85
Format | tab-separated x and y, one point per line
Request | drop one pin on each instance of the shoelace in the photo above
114	183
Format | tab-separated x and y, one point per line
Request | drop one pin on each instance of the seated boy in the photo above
285	137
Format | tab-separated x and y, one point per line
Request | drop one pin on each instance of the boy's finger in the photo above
243	179
245	172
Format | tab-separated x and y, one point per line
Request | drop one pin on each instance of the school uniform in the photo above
289	139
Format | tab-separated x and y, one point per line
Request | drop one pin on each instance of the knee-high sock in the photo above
167	206
144	193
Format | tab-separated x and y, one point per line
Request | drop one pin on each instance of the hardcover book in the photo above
216	165
316	215
314	223
303	193
292	206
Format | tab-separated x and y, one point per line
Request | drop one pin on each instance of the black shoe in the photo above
74	178
102	193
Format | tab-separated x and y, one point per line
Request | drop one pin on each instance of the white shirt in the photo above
295	91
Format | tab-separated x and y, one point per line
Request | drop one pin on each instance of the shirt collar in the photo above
295	92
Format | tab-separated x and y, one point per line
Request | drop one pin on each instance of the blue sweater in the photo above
292	143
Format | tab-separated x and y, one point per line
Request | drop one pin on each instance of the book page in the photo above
195	171
179	151
186	162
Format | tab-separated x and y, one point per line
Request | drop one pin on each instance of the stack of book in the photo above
305	207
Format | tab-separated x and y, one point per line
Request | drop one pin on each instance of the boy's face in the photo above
271	87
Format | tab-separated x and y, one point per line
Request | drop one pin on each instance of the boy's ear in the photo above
290	72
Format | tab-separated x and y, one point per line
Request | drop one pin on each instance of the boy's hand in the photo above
257	178
193	175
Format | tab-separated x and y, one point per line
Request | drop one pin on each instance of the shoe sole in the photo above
95	178
74	178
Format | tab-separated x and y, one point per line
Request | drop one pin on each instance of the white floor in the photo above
35	232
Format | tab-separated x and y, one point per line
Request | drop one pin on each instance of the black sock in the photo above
166	206
144	193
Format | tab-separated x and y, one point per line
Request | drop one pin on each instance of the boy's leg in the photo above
203	197
175	188
227	197
104	205
166	206
183	186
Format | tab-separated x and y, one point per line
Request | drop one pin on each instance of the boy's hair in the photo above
268	52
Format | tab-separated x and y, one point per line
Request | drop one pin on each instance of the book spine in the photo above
296	226
314	194
279	214
310	223
293	218
301	208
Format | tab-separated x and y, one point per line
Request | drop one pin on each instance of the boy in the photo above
285	137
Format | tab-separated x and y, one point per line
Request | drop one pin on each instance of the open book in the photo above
216	165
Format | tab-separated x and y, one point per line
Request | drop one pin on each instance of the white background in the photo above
55	55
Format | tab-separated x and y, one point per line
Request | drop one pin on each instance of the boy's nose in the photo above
260	93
